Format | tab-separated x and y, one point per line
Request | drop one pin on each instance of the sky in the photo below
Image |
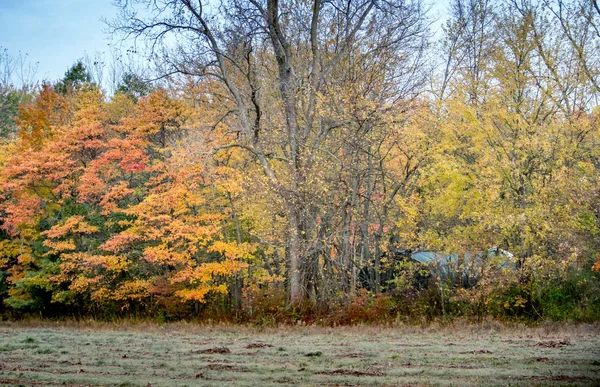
55	33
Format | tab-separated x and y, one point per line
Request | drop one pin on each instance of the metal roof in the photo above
506	259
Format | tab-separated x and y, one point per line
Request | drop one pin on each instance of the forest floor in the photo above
181	354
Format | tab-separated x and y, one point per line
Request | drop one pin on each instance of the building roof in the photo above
505	258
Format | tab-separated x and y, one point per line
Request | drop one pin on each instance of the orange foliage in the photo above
38	120
123	220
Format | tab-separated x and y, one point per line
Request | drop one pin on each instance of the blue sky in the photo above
54	33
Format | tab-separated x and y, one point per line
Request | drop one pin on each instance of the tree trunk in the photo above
238	281
295	258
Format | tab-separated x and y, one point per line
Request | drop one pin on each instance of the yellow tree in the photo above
278	63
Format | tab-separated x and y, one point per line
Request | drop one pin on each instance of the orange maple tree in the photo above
114	212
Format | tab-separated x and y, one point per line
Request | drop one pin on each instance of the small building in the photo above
466	269
463	270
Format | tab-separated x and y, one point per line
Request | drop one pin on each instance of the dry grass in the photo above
183	354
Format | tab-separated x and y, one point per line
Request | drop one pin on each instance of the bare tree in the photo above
305	49
17	83
469	46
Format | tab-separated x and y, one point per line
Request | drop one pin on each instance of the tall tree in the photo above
76	76
306	49
17	84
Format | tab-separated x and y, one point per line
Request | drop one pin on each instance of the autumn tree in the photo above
468	45
281	65
101	213
293	152
501	165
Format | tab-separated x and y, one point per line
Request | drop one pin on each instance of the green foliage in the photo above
75	77
576	298
9	108
134	86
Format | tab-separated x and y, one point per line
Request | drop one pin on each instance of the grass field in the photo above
47	354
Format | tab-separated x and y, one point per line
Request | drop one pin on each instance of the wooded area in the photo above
282	160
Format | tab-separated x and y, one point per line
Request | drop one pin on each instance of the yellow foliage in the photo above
75	224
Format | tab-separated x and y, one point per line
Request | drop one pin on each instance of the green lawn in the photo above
46	354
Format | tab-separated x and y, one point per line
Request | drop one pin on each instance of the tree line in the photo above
286	147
